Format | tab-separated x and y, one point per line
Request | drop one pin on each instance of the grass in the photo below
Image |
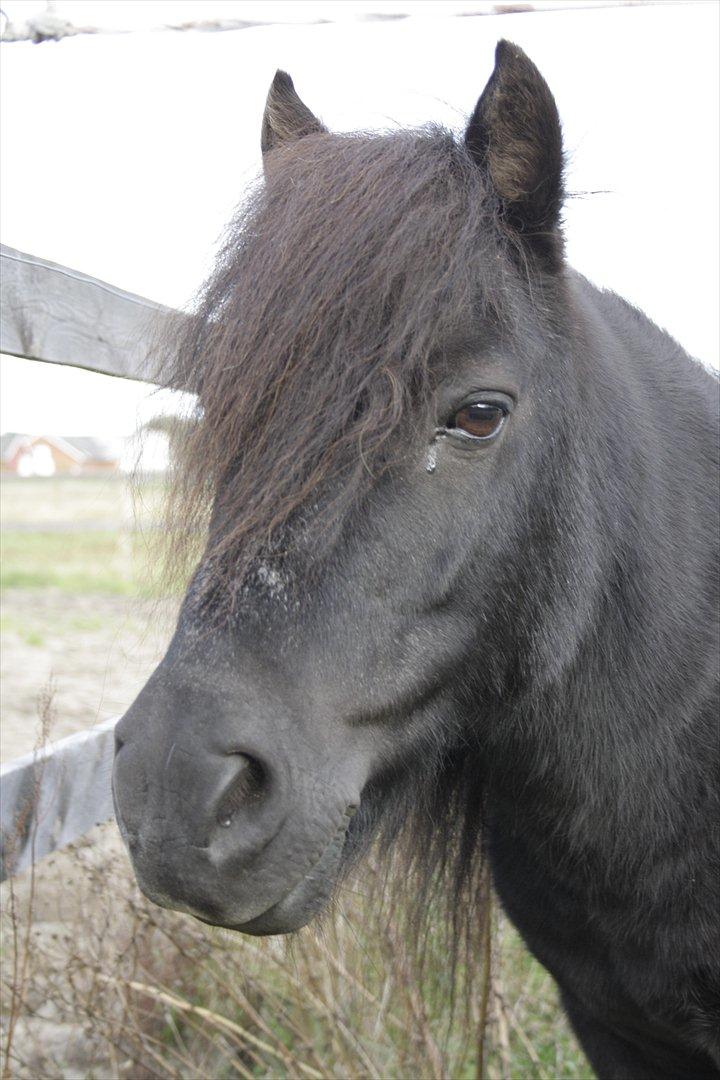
113	563
79	535
172	998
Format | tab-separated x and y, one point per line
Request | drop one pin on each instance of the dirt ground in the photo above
92	652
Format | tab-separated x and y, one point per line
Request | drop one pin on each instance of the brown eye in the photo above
481	419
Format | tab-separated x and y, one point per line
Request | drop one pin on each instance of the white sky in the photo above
124	154
133	15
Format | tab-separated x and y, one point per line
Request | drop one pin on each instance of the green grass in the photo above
549	1047
29	634
80	535
113	563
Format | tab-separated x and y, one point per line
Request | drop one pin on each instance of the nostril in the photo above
248	786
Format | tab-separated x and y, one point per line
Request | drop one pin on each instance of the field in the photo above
79	609
96	982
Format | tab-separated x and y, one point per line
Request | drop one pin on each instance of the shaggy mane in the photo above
311	343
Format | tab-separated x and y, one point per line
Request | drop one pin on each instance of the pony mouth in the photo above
304	899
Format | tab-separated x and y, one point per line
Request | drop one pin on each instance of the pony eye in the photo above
479	420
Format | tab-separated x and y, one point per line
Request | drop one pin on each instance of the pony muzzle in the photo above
245	839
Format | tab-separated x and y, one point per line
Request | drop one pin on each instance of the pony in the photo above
457	581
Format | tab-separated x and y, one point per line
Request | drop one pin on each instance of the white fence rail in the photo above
61	316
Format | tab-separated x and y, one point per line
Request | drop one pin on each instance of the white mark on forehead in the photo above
274	582
275	585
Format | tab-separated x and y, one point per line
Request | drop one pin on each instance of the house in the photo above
56	455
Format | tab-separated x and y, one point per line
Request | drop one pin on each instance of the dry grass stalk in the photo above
21	950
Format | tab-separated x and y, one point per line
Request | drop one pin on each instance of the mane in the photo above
311	344
421	829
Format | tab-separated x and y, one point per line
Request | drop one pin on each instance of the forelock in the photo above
313	339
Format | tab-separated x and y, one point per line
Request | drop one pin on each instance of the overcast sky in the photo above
124	154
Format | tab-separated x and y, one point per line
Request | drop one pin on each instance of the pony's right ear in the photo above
286	117
514	135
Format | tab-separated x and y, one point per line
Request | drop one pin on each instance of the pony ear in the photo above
286	117
514	135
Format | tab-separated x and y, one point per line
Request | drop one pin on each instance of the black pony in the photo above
459	578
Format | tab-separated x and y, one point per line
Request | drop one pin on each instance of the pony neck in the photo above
605	746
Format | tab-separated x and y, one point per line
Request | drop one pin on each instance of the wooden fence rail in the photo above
62	316
52	797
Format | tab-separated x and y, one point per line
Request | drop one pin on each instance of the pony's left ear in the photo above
286	117
514	135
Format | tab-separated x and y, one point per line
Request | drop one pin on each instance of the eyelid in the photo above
497	398
484	397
